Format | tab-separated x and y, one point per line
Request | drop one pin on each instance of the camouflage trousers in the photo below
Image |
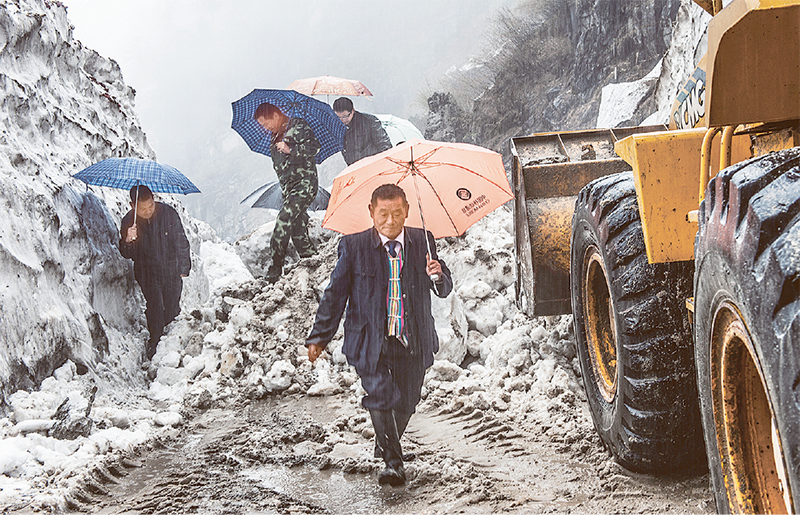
299	190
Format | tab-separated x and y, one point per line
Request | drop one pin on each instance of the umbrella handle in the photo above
135	206
434	277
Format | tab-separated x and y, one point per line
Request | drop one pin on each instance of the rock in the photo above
119	418
444	371
200	400
168	418
65	372
33	426
195	345
171	359
72	416
169	375
232	363
279	376
324	389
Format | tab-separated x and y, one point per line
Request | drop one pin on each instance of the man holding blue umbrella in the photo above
152	236
298	132
294	149
151	233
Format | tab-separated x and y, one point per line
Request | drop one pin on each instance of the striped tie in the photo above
394	294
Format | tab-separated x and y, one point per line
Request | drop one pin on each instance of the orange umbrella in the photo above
454	184
328	85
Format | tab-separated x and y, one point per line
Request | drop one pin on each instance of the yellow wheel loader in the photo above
677	251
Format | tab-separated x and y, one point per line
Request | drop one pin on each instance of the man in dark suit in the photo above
157	244
383	277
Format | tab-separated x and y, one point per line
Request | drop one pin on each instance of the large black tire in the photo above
747	333
633	334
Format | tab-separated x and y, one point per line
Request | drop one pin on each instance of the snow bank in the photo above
67	293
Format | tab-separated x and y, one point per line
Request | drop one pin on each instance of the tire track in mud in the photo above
530	471
469	461
201	470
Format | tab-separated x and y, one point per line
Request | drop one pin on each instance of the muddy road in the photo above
279	456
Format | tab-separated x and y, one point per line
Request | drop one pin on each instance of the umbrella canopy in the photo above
127	172
399	129
327	127
272	197
328	85
454	185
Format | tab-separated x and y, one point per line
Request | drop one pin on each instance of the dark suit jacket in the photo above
359	282
162	247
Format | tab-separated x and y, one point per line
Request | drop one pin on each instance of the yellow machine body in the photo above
666	171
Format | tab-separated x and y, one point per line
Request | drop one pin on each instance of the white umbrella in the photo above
399	129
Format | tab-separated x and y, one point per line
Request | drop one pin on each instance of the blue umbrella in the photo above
272	197
327	127
127	172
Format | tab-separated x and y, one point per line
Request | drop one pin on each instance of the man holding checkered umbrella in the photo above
297	132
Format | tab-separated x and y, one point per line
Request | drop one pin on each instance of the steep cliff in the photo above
65	292
554	58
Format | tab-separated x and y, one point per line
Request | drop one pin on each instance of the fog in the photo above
188	60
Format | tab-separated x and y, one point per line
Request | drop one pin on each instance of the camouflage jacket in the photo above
304	148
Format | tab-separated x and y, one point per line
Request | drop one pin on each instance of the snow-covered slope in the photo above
65	292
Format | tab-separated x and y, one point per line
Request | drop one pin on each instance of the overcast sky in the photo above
189	59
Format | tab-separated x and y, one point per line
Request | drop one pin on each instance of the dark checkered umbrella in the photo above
127	172
327	127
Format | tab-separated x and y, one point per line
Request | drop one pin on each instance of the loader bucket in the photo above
549	171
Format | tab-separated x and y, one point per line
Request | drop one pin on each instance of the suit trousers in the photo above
397	381
163	296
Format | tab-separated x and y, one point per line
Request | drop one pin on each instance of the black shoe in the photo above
308	254
393	475
273	274
409	456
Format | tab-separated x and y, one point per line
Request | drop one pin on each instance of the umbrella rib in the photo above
431	165
440	201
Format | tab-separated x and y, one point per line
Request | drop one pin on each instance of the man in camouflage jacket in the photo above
294	148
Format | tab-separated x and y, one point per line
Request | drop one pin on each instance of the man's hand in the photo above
314	351
434	268
132	234
283	147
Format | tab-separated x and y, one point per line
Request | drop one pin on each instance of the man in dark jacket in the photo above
384	278
365	136
294	150
159	249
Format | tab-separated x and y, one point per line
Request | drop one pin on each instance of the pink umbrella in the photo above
328	85
454	184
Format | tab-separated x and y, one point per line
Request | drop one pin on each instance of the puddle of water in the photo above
333	490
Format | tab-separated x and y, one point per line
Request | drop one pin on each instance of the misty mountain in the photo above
552	59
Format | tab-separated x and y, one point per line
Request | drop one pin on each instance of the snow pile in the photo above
246	342
67	293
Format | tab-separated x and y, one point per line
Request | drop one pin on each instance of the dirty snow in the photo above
238	339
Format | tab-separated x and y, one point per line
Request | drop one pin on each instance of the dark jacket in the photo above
365	136
161	248
359	282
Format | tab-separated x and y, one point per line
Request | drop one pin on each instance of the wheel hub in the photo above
747	433
601	335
